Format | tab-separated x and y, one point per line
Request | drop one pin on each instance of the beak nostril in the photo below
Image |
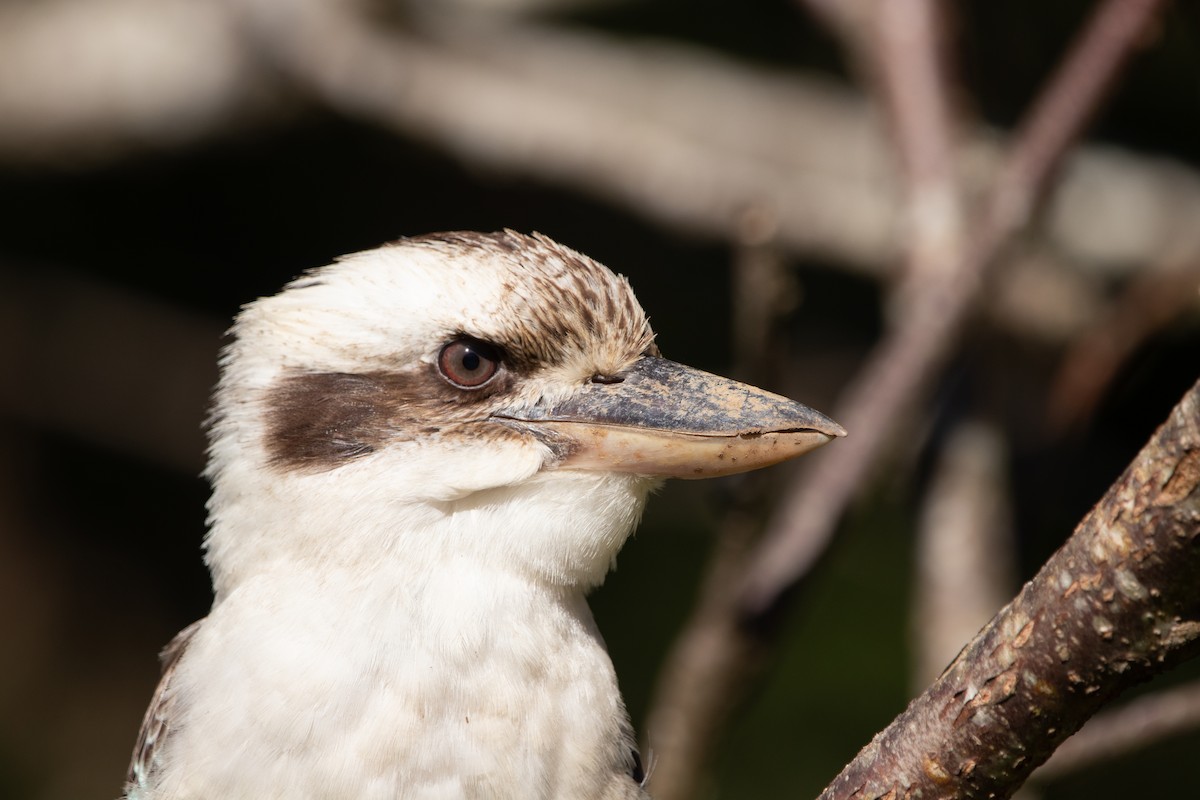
607	379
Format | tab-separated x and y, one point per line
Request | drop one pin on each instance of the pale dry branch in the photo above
705	676
909	71
706	673
694	146
911	354
684	137
86	81
965	566
907	57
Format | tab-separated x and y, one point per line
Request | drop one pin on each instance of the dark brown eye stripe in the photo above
323	419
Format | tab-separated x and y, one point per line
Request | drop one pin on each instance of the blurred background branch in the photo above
937	295
571	107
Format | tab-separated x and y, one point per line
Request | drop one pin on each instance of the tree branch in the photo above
911	79
729	632
904	363
1151	300
964	548
1116	605
581	110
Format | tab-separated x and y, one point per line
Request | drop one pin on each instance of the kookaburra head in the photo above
422	457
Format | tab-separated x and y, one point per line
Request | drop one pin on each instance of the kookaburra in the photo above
422	458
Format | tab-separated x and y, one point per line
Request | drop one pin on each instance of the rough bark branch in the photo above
1116	605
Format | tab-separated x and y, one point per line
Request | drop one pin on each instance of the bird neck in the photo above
422	679
560	530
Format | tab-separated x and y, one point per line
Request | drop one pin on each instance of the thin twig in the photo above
899	369
713	657
704	675
1121	731
906	361
1151	301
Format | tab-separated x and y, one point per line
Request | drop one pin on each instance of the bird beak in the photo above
665	419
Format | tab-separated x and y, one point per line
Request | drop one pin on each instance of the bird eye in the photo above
468	363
